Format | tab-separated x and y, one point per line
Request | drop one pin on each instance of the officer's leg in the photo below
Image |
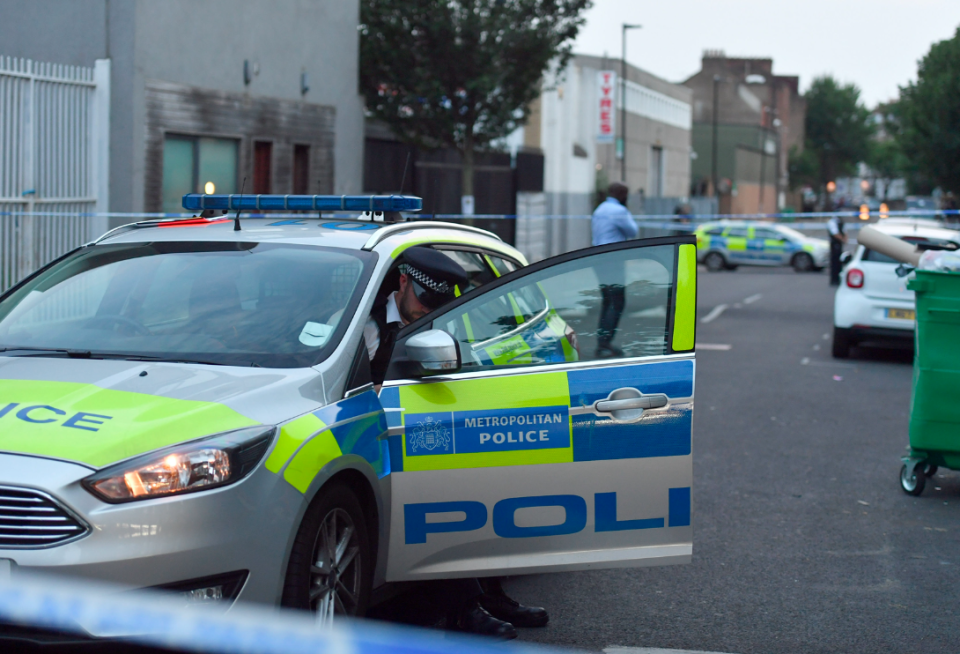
461	599
835	250
501	606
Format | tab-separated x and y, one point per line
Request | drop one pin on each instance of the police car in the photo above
187	404
727	244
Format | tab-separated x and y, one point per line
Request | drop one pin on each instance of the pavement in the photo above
803	540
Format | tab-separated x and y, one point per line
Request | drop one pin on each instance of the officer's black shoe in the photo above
608	351
503	607
473	619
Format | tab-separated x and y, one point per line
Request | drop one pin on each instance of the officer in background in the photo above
612	223
837	240
428	279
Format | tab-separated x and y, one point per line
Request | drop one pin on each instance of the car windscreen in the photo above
873	255
242	304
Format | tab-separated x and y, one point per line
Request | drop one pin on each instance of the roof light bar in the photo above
248	202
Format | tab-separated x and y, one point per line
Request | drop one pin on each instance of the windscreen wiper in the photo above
45	351
149	357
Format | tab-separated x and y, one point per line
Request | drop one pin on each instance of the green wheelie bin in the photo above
935	405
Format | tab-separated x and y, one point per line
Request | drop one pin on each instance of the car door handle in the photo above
654	401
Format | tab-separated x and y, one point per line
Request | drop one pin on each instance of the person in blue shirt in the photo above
612	223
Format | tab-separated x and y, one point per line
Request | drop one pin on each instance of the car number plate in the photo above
902	314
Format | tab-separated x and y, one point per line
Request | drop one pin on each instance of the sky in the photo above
874	44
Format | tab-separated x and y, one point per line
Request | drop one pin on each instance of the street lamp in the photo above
716	111
623	101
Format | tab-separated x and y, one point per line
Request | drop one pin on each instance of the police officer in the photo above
428	279
837	240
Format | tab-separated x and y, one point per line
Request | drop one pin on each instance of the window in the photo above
301	169
581	310
476	268
769	234
197	165
656	172
736	232
262	160
500	265
715	231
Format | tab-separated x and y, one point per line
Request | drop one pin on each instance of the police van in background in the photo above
187	404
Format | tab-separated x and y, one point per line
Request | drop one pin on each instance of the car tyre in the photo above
732	266
912	480
331	563
842	342
802	262
714	262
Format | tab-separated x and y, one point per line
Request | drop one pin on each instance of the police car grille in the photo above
31	519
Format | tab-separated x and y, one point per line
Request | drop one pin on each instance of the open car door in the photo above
563	440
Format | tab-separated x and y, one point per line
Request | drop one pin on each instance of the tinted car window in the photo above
737	232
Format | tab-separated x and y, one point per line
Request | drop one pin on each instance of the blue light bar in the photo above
249	202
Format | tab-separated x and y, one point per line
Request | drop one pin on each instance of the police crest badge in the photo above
430	435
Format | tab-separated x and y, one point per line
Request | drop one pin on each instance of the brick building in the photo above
759	118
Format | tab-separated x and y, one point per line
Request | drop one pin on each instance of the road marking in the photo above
616	649
752	298
720	347
713	315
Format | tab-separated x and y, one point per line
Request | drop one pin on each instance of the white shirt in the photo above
833	226
371	333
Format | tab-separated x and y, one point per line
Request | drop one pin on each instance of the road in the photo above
803	541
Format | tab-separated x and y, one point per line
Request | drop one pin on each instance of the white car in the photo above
872	302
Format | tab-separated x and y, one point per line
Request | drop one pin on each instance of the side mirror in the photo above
845	258
435	351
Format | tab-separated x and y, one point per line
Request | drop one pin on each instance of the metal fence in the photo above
54	158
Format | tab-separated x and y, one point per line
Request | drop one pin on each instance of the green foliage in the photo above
838	129
460	73
930	116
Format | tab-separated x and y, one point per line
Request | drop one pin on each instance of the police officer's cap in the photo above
434	275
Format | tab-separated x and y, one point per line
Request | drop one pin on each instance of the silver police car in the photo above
187	405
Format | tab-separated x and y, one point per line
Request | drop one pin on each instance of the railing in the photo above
54	158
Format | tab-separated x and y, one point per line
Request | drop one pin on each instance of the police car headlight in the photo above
189	467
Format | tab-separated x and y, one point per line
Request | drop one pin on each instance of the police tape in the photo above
92	609
672	219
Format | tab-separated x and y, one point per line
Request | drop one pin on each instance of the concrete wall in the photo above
200	43
564	123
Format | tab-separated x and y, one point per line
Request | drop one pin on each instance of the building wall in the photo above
564	125
203	44
749	95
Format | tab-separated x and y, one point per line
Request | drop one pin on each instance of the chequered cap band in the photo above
427	282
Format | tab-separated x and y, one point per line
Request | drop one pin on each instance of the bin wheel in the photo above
913	480
930	470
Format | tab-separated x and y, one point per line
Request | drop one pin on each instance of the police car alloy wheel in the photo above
330	566
714	262
802	262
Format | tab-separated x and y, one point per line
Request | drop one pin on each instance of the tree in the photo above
461	73
886	158
930	116
838	129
